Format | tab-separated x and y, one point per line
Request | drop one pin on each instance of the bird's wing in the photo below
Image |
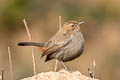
57	43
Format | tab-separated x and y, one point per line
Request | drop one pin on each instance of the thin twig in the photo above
2	74
92	73
60	22
10	60
27	29
94	68
33	53
56	63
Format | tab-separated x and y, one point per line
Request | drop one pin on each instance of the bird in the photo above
65	45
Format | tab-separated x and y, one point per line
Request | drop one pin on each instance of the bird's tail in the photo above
31	44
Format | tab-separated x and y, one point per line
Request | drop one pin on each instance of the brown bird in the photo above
66	45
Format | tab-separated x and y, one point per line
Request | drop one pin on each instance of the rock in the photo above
60	75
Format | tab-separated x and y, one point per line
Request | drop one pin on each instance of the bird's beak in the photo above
81	23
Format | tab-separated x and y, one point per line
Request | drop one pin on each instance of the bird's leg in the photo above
56	63
64	65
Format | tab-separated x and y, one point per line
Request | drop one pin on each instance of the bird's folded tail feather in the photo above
31	44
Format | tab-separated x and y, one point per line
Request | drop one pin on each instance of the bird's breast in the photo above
75	48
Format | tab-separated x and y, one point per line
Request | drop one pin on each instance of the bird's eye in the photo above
72	25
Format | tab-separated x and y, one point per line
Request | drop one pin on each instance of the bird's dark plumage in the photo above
31	44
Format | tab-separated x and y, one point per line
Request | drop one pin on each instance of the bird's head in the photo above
72	26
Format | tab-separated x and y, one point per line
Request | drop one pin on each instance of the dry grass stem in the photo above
59	21
30	39
56	63
94	68
92	73
10	60
2	74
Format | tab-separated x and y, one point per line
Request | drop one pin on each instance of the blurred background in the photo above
101	32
